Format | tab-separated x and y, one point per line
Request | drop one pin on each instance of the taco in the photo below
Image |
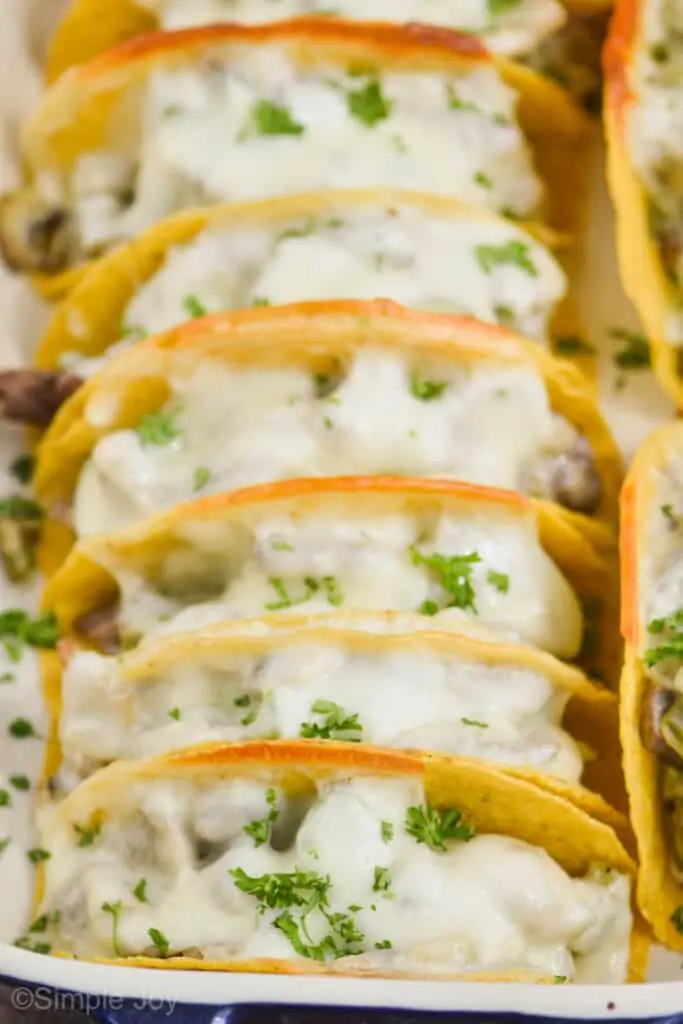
321	389
231	112
643	169
387	679
651	707
295	857
444	550
427	252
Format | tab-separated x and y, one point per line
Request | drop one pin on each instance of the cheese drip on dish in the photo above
186	865
226	427
487	269
654	131
511	28
482	563
317	686
249	123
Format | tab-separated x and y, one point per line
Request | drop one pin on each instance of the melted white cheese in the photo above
250	124
501	712
516	29
485	423
357	562
491	903
396	252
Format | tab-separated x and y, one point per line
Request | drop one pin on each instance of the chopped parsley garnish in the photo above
140	891
499	580
659	53
426	390
635	351
454	573
22	468
368	104
248	719
504	314
474	722
328	423
311	586
456	103
160	941
677	919
131	332
86	836
281	545
5	798
174	713
381	879
8	677
19	630
298	895
17	507
497	7
429	608
483	180
668	513
559	979
260	302
193	307
260	830
115	910
271	119
571	345
243	701
37	855
159	428
383	944
4	843
491	256
431	826
202	475
21	728
387	830
25	942
20	782
336	722
672	647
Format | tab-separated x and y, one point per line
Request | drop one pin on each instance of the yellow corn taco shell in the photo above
649	515
318	338
129	692
92	26
561	599
489	801
643	274
97	109
94	315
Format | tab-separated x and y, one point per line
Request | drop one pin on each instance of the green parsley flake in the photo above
483	180
499	580
193	307
571	345
454	573
19	508
271	119
20	782
312	586
4	843
672	646
21	729
474	722
174	713
37	855
431	826
677	919
383	944
115	910
387	831
243	701
381	880
260	302
668	513
22	468
8	677
368	104
635	351
426	390
160	941
335	723
261	829
159	428
5	798
511	253
86	836
202	475
140	891
18	630
132	333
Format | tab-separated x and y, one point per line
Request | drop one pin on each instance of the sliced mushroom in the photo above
33	396
36	235
101	628
661	725
574	480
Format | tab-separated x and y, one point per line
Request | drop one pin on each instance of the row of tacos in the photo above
334	577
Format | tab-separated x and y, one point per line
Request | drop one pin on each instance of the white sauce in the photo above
489	424
491	903
396	252
219	574
515	30
209	135
417	698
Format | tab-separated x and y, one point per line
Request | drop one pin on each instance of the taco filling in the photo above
361	874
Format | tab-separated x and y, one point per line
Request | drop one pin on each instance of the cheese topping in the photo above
480	562
514	27
488	269
249	123
317	687
226	427
655	130
361	875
